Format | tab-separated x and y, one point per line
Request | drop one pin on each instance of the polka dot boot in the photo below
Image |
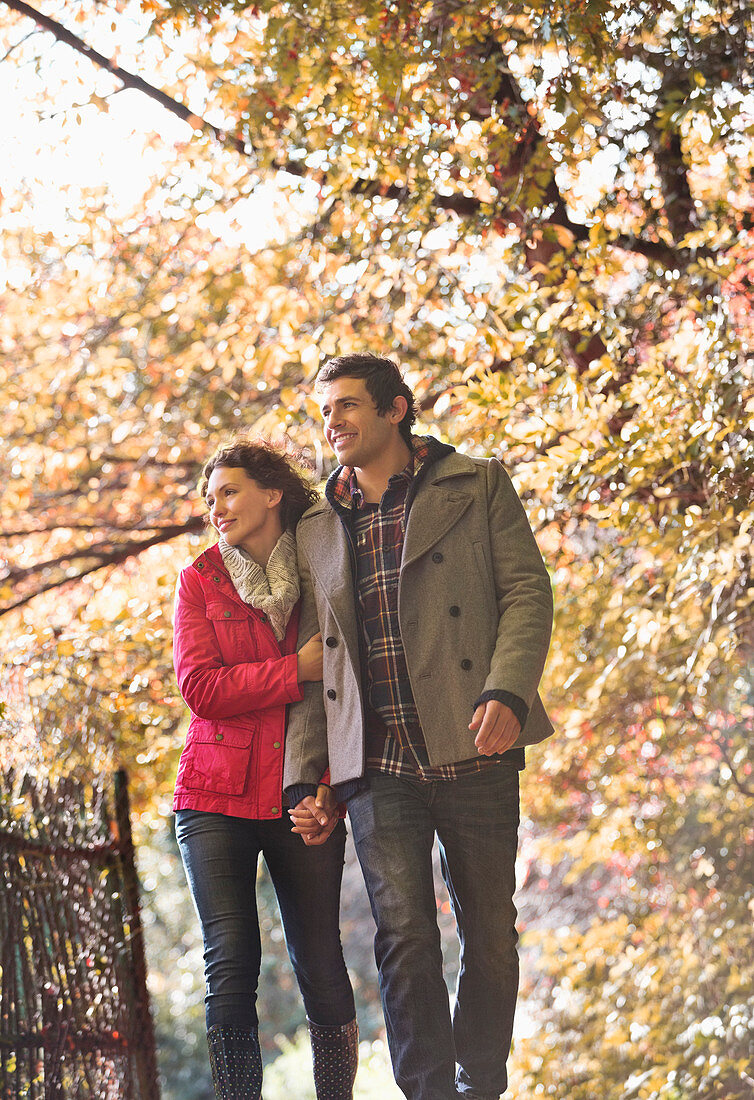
236	1062
335	1054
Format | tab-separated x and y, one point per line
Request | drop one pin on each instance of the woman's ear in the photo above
274	497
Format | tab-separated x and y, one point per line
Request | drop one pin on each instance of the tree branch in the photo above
127	79
115	555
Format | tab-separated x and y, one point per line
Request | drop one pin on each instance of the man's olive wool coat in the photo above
475	613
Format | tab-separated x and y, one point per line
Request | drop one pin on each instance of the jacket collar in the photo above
211	566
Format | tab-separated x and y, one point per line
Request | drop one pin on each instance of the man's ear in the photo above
397	410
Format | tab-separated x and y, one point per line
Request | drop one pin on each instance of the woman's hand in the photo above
310	660
315	818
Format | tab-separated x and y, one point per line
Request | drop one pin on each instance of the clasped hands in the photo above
316	816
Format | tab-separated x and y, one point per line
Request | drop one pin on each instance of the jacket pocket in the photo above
484	570
235	629
216	757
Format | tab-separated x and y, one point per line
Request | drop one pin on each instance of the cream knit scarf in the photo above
274	589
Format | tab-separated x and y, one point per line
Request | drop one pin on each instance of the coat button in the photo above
466	664
437	557
273	809
276	744
200	565
217	579
226	614
331	642
455	611
218	737
331	693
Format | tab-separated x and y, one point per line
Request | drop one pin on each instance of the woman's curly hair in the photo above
270	468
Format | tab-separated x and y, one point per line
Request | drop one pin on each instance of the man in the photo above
422	573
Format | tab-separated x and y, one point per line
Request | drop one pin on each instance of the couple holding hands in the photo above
375	653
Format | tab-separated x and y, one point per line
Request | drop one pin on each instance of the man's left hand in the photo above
497	725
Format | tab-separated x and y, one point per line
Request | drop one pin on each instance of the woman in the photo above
236	620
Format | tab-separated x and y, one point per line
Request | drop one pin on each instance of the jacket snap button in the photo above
218	737
455	611
200	565
273	809
331	693
215	578
276	744
466	663
226	614
437	557
331	642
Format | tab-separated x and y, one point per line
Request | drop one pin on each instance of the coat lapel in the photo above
327	552
436	509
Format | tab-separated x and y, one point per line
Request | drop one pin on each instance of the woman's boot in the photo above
335	1054
236	1062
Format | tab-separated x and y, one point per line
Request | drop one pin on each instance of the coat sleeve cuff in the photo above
515	702
295	688
298	791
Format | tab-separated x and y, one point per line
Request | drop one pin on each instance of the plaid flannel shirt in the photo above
395	743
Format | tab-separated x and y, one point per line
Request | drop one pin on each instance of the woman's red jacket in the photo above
237	680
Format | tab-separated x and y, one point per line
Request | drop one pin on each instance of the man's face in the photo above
357	433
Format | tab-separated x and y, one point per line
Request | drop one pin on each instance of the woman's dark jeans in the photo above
220	855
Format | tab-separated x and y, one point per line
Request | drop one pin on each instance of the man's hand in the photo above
315	817
497	725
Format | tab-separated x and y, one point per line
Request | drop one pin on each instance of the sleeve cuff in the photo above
298	791
515	702
295	688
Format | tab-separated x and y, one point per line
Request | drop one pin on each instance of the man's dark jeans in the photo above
220	855
475	818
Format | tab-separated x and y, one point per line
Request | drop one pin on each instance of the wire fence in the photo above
75	1020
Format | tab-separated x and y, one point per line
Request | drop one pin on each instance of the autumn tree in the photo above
544	211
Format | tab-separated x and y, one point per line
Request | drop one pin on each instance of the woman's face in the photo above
239	509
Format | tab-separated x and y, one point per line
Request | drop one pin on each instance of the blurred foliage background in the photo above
544	212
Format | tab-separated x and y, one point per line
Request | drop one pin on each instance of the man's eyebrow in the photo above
340	400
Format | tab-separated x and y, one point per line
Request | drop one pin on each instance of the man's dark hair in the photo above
270	468
383	380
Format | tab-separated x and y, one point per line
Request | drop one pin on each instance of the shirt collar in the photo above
346	489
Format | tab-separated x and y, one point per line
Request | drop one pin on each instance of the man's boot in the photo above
335	1054
236	1062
